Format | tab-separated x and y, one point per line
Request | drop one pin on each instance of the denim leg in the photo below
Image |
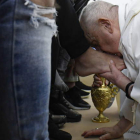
25	56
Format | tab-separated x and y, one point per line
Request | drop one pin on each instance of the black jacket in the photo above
70	33
71	36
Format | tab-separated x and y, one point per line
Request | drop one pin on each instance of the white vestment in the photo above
129	20
133	133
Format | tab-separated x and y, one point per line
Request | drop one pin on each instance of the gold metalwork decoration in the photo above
101	97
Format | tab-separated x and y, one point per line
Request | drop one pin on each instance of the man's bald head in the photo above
96	10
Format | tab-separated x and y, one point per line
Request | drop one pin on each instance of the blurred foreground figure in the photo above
26	29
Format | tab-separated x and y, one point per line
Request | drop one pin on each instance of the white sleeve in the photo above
135	93
126	104
126	109
134	70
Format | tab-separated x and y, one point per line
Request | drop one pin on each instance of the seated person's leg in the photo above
73	95
58	106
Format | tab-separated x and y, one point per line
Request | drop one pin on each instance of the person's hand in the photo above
109	133
116	77
106	133
97	82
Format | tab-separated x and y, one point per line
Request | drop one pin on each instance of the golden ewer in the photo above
101	97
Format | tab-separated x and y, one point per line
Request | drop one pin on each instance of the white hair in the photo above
95	10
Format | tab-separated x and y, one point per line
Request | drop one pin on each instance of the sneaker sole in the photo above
83	97
86	90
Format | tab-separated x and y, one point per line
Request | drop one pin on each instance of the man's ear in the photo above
106	24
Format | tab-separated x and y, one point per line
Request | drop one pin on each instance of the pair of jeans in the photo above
25	70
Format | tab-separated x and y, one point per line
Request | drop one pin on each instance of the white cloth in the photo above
129	20
133	133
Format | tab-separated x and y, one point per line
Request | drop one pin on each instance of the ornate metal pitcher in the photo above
101	97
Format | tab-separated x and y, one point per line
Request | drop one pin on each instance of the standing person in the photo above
116	30
26	29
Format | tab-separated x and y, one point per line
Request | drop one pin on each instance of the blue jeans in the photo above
25	56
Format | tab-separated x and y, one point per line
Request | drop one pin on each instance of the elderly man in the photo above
115	30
